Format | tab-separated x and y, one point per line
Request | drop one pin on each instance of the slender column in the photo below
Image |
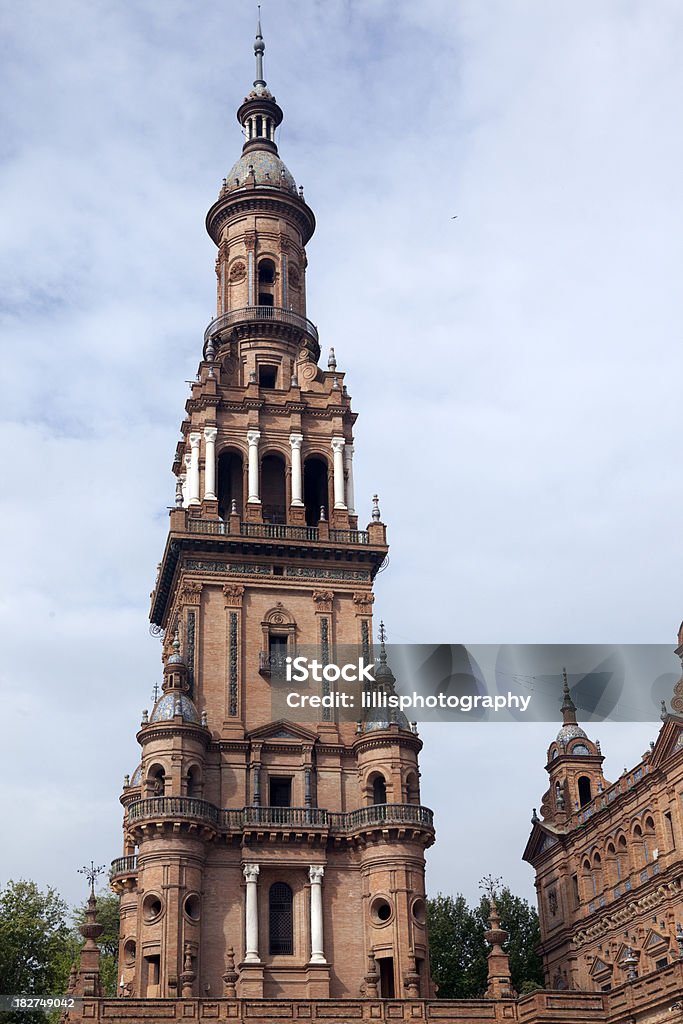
338	449
253	437
193	485
251	873
348	461
210	435
315	874
295	441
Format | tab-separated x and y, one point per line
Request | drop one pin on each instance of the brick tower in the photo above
264	856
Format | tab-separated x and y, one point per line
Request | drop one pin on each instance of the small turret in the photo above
574	764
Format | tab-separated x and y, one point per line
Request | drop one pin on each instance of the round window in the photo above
192	906
420	911
151	907
380	910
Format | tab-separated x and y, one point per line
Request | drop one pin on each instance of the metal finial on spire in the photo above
382	633
91	873
155	693
259	50
568	707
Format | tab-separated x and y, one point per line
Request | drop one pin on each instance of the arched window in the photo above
585	795
316	493
230	482
588	879
156	781
194	782
623	868
273	494
597	873
266	282
412	789
281	920
379	790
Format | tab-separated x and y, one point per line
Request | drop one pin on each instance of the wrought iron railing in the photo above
271	664
155	808
249	314
124	865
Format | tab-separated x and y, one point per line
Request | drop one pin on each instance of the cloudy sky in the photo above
517	370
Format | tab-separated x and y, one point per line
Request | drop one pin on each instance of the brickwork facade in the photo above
273	865
284	855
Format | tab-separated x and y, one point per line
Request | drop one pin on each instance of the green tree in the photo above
34	943
459	950
520	919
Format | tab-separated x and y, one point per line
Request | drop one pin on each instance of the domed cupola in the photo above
259	116
169	705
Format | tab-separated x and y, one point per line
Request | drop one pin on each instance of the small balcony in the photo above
270	316
124	866
270	664
180	808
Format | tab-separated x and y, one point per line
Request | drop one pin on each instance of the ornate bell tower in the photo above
265	856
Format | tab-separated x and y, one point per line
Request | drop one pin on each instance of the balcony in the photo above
159	808
263	315
275	531
271	664
280	819
123	866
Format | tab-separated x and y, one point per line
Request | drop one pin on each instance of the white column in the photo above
251	873
338	449
193	482
295	441
210	435
186	480
315	874
348	462
253	437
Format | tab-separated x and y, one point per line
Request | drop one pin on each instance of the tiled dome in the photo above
164	709
570	732
136	777
268	170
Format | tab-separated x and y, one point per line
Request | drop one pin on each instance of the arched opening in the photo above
597	873
266	282
639	846
588	881
273	492
281	920
156	781
585	795
230	482
559	797
612	865
316	494
622	858
379	790
194	782
412	789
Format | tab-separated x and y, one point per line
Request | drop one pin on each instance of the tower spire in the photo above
259	50
568	706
